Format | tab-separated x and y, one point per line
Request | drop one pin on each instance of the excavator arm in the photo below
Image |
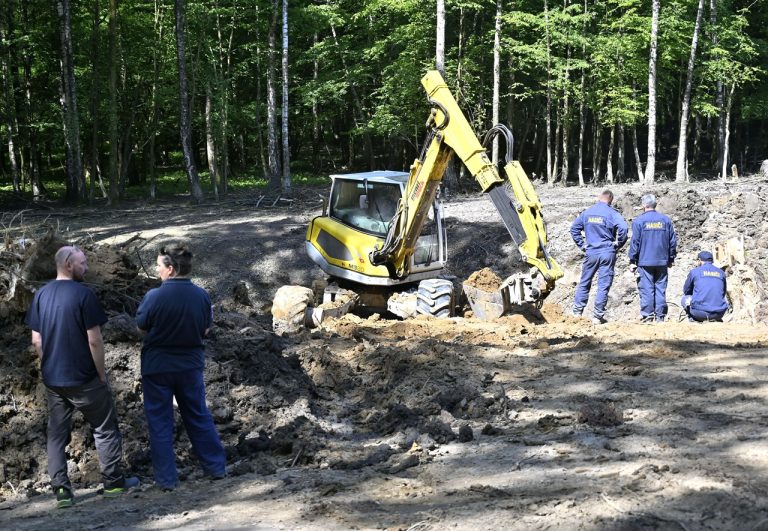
450	133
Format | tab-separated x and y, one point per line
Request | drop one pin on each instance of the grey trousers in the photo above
94	401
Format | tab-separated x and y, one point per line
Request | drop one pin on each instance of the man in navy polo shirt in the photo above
605	232
652	252
66	318
704	291
176	317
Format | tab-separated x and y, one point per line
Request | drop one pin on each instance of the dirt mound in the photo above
485	279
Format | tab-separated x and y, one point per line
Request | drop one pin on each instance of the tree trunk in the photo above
620	162
597	151
582	129
555	145
451	174
496	78
272	147
638	164
566	134
258	126
681	173
159	32
548	135
30	137
440	38
719	90
286	149
210	142
185	126
650	164
114	170
582	104
609	158
94	103
71	121
10	101
727	127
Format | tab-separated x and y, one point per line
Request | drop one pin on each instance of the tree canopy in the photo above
354	97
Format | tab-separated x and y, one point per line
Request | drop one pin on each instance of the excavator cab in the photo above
361	210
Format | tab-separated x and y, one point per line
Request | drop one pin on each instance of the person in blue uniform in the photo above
652	252
600	231
704	291
66	319
176	317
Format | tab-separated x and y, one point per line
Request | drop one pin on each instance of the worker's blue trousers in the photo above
189	390
652	285
602	264
699	315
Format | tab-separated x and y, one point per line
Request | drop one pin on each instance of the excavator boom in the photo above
450	133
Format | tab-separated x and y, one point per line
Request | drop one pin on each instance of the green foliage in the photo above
354	72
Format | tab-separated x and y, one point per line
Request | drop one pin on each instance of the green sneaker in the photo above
64	498
116	492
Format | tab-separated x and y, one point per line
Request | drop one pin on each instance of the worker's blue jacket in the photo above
654	242
707	286
604	228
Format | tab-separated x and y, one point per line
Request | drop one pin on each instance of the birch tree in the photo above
496	77
273	156
650	163
286	149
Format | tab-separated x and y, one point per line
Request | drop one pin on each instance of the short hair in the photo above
607	194
179	256
648	201
64	254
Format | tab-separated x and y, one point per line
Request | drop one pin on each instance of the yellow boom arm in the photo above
449	133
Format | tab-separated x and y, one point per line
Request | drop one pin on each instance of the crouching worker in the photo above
176	317
704	291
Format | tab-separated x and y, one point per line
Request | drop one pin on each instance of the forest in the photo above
109	99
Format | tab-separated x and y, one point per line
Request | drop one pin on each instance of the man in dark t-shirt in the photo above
66	318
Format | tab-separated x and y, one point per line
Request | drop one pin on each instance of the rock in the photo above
440	431
398	463
425	441
242	293
488	429
601	414
764	168
465	433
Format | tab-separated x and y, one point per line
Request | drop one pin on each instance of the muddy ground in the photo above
533	421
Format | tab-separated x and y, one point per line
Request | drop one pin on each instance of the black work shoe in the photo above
116	492
647	319
64	498
599	320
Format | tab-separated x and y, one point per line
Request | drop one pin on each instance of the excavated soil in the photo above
533	420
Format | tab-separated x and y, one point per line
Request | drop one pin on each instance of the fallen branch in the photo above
298	454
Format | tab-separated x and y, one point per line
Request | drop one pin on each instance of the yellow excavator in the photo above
381	238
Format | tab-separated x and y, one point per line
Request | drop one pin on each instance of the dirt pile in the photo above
484	279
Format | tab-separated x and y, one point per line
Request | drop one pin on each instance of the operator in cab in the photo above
600	232
704	291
